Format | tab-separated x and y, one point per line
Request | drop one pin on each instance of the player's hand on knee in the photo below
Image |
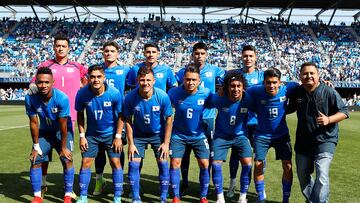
117	145
164	149
35	152
131	151
32	89
83	144
65	152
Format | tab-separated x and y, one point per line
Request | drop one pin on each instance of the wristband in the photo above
36	146
82	135
118	136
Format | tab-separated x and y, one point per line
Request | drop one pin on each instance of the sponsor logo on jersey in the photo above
39	110
254	81
107	104
156	108
119	72
54	110
70	70
180	101
159	75
201	102
243	110
283	98
208	74
88	103
137	108
225	109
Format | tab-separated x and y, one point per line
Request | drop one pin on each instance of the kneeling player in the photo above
104	126
148	121
189	103
51	106
231	132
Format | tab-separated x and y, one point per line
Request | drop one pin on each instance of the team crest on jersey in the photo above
156	108
208	74
54	110
254	81
53	70
107	104
201	102
137	108
88	103
180	101
39	110
243	110
159	75
282	99
225	109
262	102
70	70
119	72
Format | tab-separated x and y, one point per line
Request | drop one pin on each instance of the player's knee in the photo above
175	163
115	163
287	167
203	163
259	167
86	163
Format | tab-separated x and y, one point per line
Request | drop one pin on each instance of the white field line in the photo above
14	127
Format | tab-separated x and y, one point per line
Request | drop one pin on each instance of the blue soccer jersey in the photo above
117	76
254	78
57	107
149	115
232	116
187	123
271	110
209	75
163	74
101	111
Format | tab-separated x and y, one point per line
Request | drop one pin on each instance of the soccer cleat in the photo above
242	201
82	199
117	199
220	201
183	189
67	199
204	200
163	201
36	199
176	200
99	186
231	192
73	195
43	190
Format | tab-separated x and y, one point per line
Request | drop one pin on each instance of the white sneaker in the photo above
242	201
220	201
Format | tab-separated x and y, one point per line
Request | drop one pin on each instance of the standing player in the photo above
269	102
231	132
116	76
104	127
209	75
188	133
253	76
51	107
148	111
69	76
164	76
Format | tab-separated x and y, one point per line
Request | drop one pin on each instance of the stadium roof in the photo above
340	4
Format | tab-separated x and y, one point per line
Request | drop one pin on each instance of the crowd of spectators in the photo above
352	101
13	94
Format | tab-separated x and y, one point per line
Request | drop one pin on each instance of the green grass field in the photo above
15	141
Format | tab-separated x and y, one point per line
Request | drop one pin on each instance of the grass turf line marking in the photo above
14	127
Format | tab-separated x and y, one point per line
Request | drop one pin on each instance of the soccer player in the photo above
148	112
319	110
253	76
188	133
209	75
269	103
116	76
69	76
50	106
164	76
231	132
103	105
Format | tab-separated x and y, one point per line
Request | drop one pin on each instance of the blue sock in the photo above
134	179
286	187
164	178
69	179
204	180
185	163
234	165
175	181
217	177
245	178
259	186
117	178
35	178
84	180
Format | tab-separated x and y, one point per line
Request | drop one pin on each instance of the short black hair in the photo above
61	37
44	70
272	72
144	70
200	45
248	48
111	43
96	67
192	68
234	75
151	45
308	64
